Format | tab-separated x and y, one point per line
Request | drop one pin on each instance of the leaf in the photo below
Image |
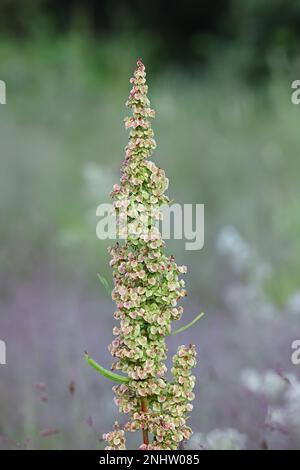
188	325
105	372
105	284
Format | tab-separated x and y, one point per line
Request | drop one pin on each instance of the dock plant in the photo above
147	290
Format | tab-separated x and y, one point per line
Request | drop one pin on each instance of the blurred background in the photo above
220	77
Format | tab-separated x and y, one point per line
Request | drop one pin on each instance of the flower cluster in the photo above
147	290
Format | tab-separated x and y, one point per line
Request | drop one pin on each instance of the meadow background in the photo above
228	136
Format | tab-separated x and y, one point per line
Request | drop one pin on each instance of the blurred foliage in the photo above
187	33
222	141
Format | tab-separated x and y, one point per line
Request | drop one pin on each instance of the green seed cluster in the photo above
147	290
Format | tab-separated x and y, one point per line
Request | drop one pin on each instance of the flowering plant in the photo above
146	290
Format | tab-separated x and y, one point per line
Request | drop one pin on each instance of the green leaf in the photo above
105	372
105	284
188	325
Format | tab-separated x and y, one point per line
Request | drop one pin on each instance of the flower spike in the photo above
147	290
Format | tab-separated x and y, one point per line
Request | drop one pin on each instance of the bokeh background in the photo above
220	78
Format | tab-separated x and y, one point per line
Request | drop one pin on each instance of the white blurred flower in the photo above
230	243
251	379
273	384
69	238
226	439
196	442
293	391
98	180
276	415
246	296
218	439
293	303
287	417
267	383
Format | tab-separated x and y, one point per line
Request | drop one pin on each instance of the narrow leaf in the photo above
189	324
105	284
105	372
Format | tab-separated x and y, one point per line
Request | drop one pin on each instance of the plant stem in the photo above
144	404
